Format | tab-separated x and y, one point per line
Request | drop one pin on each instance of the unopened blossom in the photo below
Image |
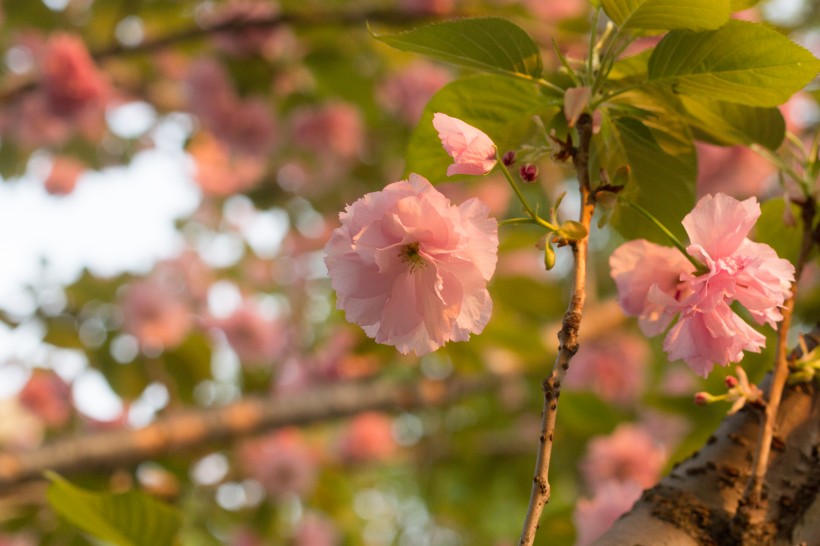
708	331
593	517
630	453
473	152
72	81
411	268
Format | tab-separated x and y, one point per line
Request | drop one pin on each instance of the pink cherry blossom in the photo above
709	332
255	338
613	367
334	128
407	92
630	453
155	314
72	81
411	269
315	530
368	437
594	516
48	397
472	151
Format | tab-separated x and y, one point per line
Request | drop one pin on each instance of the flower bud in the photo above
508	158
731	382
702	398
528	173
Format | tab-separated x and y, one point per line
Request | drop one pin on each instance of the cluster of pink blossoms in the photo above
656	283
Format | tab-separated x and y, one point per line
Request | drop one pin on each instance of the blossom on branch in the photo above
472	150
657	283
412	269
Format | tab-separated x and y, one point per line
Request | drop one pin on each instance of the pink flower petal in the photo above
473	152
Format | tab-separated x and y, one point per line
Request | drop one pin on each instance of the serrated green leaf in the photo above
501	107
125	519
730	124
489	44
668	14
740	62
663	165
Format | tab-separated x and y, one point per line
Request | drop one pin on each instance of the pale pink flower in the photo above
255	338
368	437
613	367
737	269
640	267
221	172
156	315
630	453
72	81
472	150
63	176
48	397
407	91
411	269
734	170
282	462
593	517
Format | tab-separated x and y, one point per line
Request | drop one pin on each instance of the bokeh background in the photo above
171	170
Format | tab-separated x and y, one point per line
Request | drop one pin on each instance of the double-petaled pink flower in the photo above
411	268
657	283
473	152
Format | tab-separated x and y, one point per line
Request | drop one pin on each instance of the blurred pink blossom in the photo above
334	128
72	81
48	397
554	11
708	331
255	338
411	268
20	428
63	176
315	530
266	41
735	171
282	462
368	437
630	453
429	7
219	171
407	91
33	124
593	517
155	314
472	150
613	367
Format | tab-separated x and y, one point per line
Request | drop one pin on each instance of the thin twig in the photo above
751	507
567	342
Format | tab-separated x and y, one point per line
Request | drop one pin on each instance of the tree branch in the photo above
567	342
192	429
695	504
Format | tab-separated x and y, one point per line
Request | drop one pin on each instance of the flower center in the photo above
409	254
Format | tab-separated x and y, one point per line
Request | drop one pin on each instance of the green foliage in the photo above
741	62
740	5
124	519
659	150
488	44
668	14
499	106
775	232
730	124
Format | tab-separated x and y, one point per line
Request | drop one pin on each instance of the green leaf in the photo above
489	44
730	124
663	165
668	14
740	5
740	62
125	519
499	106
573	230
772	230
